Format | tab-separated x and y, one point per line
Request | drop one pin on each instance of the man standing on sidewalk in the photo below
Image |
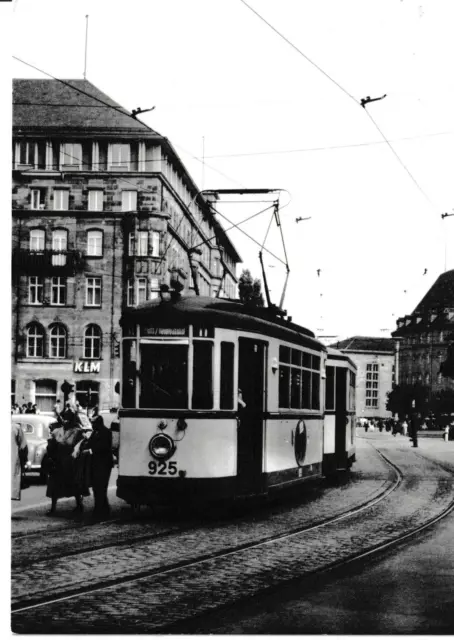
415	425
100	445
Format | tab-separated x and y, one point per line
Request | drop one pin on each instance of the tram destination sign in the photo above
165	332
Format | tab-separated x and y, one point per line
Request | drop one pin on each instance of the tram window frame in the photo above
352	391
199	390
330	388
299	379
179	365
227	375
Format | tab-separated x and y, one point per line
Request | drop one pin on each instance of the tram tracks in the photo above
265	563
38	601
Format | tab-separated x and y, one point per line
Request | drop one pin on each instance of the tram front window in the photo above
164	376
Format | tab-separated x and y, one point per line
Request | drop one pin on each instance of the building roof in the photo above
440	296
365	343
431	314
69	104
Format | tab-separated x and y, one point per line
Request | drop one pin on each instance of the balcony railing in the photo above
48	261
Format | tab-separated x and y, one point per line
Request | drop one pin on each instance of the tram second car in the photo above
219	402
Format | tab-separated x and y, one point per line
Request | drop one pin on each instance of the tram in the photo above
221	401
339	442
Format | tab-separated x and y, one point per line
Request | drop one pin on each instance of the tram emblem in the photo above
300	442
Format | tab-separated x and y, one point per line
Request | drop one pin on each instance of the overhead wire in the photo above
331	79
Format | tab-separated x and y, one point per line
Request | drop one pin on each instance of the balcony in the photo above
47	262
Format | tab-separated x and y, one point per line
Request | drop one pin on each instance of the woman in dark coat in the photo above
100	446
62	482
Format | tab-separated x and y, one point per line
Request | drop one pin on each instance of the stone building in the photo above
424	336
104	213
374	358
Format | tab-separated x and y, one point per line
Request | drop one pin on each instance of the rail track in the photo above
271	560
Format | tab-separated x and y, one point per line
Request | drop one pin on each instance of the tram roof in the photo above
228	314
335	354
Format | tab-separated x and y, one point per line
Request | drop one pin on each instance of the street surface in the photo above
409	591
166	573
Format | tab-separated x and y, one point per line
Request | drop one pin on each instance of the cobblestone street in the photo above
193	567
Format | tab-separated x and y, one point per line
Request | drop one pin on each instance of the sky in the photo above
244	107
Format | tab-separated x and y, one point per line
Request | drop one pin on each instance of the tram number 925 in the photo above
162	468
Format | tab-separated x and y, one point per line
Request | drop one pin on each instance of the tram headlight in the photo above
161	446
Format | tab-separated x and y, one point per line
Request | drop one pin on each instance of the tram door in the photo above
341	412
251	381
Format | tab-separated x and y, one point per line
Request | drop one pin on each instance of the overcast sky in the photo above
229	88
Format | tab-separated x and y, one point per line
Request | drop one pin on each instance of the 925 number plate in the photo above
162	468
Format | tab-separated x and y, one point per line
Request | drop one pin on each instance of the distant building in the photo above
104	213
374	358
425	335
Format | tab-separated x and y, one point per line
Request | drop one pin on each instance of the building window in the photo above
92	342
94	243
93	292
35	341
35	290
142	243
372	385
45	394
119	157
59	240
130	293
87	393
138	243
154	288
95	200
37	240
57	342
137	291
155	241
129	200
71	156
58	290
61	200
36	198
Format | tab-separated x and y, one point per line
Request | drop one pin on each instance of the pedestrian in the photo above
35	409
29	408
404	428
24	408
57	408
19	456
61	467
82	462
99	444
366	425
415	423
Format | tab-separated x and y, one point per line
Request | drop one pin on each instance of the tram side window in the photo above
164	376
227	361
202	379
352	394
330	379
128	388
299	380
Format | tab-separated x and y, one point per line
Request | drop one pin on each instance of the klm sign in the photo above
87	367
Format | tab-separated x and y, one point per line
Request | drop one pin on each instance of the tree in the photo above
250	290
405	398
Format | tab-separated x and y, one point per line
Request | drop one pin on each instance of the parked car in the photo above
37	429
112	422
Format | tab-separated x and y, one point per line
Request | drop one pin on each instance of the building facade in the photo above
423	337
375	360
104	213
